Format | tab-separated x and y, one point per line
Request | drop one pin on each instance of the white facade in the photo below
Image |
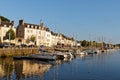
41	33
48	38
4	27
54	39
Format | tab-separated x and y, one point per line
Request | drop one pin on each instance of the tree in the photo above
32	38
10	34
4	19
85	43
28	40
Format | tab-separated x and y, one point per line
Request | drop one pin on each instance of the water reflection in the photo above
6	68
2	73
30	68
103	66
19	70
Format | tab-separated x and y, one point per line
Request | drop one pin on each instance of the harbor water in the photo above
103	66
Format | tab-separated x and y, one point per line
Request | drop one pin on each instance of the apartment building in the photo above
61	40
48	38
53	39
25	31
42	35
4	27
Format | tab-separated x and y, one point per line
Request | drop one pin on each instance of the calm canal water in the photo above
105	66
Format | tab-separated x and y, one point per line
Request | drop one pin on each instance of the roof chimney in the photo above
21	22
41	24
12	23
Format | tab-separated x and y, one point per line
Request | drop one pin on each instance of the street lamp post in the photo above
9	38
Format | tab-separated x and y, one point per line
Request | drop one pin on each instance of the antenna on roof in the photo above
41	24
41	21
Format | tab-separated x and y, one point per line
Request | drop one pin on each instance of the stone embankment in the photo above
10	52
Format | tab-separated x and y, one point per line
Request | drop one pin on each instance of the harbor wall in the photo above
10	52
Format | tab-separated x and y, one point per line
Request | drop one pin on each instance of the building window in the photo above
48	35
48	40
4	25
42	37
28	26
39	32
31	26
38	37
9	26
36	32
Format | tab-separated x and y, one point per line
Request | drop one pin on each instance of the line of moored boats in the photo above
46	56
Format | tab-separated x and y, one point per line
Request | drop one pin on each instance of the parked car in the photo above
5	45
32	46
17	46
23	45
1	45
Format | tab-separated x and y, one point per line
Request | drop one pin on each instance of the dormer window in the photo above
28	26
40	28
35	27
31	26
9	26
4	25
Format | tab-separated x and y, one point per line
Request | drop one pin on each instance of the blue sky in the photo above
83	19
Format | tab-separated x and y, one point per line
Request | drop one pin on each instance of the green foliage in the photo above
32	38
4	19
12	34
28	40
84	43
118	45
